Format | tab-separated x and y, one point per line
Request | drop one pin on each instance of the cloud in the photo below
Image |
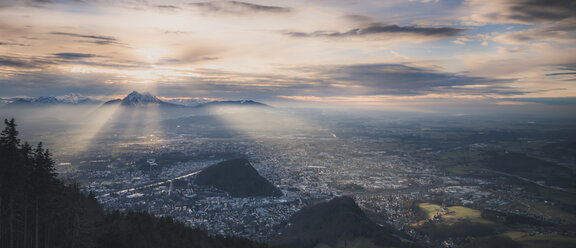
172	7
96	39
540	10
17	62
11	44
384	29
236	7
561	73
56	60
567	73
121	44
74	55
561	31
53	83
545	100
355	80
522	11
399	79
360	18
552	20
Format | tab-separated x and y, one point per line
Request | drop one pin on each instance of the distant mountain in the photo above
70	99
337	222
136	99
238	178
188	102
74	98
234	103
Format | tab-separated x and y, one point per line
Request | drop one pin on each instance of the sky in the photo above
409	54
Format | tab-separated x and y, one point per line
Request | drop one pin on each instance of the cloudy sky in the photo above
349	52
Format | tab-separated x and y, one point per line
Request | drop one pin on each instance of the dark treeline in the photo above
39	210
36	209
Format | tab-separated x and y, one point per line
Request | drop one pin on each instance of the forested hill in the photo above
238	178
336	223
39	210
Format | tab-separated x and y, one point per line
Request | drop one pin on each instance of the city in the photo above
383	169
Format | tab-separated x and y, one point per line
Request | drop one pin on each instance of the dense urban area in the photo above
393	169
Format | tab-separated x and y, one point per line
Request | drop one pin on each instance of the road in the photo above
148	185
530	181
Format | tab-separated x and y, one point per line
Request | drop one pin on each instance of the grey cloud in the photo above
236	7
67	58
347	80
560	31
29	63
567	67
120	64
74	55
541	10
175	61
359	18
11	44
398	79
96	39
5	61
568	73
167	7
561	73
545	100
380	28
51	83
342	80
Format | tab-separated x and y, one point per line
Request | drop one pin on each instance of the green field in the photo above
545	210
542	241
453	214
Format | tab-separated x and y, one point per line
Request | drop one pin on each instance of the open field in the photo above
541	241
453	214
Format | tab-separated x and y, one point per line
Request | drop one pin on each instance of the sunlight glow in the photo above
153	55
94	122
263	123
150	75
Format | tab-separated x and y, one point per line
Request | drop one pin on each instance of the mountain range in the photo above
134	99
137	99
70	99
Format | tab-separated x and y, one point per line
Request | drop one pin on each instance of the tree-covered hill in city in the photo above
238	178
336	223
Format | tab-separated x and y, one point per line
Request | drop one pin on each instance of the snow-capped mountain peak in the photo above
70	99
45	99
75	98
136	98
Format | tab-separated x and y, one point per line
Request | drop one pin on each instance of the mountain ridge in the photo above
135	99
70	99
